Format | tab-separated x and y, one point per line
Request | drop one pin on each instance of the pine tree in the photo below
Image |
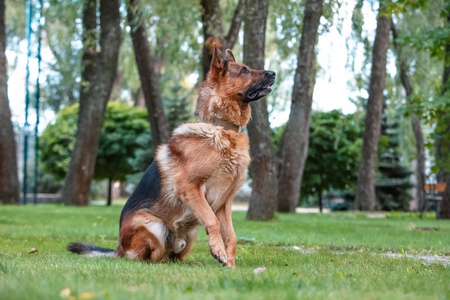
392	187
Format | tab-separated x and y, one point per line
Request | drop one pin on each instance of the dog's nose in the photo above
270	74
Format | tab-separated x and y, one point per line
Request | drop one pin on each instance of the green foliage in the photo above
358	41
125	142
400	6
340	256
424	35
433	41
179	107
14	23
333	155
63	38
335	142
124	145
57	142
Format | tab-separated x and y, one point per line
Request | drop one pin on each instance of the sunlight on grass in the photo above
336	256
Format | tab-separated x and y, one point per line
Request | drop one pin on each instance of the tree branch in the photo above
235	26
403	68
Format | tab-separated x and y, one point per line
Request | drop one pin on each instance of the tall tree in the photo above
443	132
147	66
213	32
415	121
365	195
294	142
97	80
263	168
9	180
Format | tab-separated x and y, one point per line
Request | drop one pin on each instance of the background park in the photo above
357	127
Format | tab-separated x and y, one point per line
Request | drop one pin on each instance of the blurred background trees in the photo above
164	55
123	149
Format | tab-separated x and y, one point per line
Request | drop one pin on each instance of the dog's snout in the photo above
270	74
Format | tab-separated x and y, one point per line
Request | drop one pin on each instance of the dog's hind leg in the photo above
143	240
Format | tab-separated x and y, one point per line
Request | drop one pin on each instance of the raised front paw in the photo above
218	251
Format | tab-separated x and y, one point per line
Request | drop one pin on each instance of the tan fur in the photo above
201	167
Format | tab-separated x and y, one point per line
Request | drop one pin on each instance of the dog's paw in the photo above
219	253
230	264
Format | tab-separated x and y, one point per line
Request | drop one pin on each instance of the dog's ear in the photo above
229	56
218	61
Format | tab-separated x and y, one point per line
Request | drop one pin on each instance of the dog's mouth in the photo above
261	90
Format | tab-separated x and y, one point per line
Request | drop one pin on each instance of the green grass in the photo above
344	259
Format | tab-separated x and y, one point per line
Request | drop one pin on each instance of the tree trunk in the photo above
415	121
89	49
262	201
109	194
365	195
9	180
294	142
420	171
149	78
140	99
443	136
213	30
319	191
93	98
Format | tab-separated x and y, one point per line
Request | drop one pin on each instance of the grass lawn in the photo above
339	256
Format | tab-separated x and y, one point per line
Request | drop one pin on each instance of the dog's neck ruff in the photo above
214	110
225	124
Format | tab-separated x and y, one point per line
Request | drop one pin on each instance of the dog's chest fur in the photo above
205	156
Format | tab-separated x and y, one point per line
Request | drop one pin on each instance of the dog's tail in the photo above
89	250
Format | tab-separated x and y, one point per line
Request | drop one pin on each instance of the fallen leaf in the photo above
65	293
33	250
259	270
87	295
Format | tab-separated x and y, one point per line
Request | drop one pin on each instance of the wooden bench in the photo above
433	194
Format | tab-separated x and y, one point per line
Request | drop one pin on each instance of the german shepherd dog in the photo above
196	175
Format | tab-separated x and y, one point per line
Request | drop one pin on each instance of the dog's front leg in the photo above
228	235
195	201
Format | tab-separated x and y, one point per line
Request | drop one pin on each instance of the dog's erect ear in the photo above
218	61
229	56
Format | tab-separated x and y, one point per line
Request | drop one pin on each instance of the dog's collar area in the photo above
225	124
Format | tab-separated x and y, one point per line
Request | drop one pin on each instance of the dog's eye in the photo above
244	70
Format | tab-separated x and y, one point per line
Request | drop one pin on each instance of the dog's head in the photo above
229	87
238	81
